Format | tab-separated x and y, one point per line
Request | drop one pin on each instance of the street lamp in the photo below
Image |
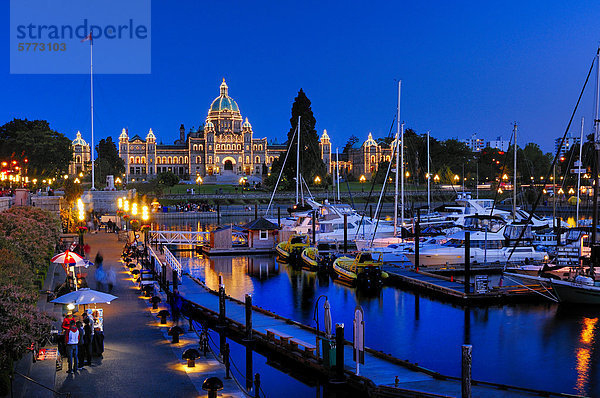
134	209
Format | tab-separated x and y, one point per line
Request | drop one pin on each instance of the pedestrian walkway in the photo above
137	360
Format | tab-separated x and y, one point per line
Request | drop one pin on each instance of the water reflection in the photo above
521	339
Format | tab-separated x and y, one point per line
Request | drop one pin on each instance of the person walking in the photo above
100	274
111	279
72	337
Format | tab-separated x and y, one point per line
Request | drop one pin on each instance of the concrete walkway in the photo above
137	361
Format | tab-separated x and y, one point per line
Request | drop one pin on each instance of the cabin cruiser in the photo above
330	224
492	241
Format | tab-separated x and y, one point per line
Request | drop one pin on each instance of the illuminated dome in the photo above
78	140
247	124
224	101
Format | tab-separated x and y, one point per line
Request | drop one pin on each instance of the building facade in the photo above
81	156
224	147
570	141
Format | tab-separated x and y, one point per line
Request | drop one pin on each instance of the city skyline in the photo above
476	69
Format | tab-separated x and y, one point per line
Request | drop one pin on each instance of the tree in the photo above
47	151
311	164
353	140
167	179
108	162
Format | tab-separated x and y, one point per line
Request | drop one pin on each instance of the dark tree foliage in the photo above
167	179
353	140
48	152
108	161
311	164
73	191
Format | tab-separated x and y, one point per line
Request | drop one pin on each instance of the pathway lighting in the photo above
560	191
505	176
362	179
199	180
77	181
456	177
163	314
407	174
145	215
66	176
436	178
120	203
175	331
571	191
212	385
317	180
134	209
80	175
155	301
191	354
118	181
126	205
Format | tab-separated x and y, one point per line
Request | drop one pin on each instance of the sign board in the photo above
47	353
578	171
359	336
482	284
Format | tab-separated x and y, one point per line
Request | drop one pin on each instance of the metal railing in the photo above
179	237
172	262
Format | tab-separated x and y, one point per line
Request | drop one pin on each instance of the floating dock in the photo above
446	288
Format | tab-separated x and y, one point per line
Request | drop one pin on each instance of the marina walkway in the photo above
379	370
138	361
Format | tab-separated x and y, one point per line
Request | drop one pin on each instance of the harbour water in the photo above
543	346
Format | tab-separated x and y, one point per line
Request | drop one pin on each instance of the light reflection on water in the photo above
540	346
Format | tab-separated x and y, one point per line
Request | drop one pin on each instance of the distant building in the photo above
499	144
225	146
570	141
476	144
81	156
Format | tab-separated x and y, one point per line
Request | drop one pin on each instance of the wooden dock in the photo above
446	288
381	376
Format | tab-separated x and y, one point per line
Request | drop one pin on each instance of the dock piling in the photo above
339	351
417	232
218	213
175	280
248	303
255	211
279	216
257	385
345	233
314	226
467	262
226	361
222	317
466	370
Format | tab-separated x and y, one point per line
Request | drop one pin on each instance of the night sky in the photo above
465	67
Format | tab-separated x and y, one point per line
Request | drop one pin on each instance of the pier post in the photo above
371	212
175	280
248	303
221	302
417	233
279	216
345	233
466	370
226	361
218	213
557	230
257	385
314	226
467	262
339	351
255	211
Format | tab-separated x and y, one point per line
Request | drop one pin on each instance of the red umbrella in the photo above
67	257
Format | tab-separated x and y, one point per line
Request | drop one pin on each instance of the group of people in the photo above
82	337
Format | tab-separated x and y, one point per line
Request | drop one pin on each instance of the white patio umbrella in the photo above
327	316
84	296
68	257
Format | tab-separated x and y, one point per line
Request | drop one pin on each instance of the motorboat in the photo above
363	270
320	256
293	247
491	241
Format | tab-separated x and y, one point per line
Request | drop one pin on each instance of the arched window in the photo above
195	147
257	160
158	160
181	160
170	160
164	159
240	159
272	159
137	159
387	158
143	159
132	160
229	147
186	159
247	159
201	146
372	158
78	159
216	159
198	160
210	159
239	147
260	147
247	147
217	147
254	147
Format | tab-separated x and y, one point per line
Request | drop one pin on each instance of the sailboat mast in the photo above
337	166
596	149
298	163
428	178
515	175
92	109
579	167
402	175
397	159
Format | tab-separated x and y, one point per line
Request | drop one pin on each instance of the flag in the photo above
88	37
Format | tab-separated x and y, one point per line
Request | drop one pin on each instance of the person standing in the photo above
80	348
72	337
88	334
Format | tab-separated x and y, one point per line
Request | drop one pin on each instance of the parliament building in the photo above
223	150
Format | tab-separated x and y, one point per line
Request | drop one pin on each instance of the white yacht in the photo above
492	241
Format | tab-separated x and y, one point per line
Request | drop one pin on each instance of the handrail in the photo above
173	262
180	237
66	394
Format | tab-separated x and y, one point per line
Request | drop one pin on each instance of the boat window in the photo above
350	225
365	257
454	243
298	239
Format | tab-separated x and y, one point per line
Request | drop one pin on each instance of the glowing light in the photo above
118	180
80	175
505	176
70	306
77	181
560	191
120	203
145	215
407	174
362	179
500	190
66	177
134	209
456	177
81	210
317	180
126	205
436	178
571	191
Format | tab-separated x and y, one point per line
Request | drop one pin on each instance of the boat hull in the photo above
569	292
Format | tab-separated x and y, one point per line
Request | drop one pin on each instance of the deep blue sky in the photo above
466	67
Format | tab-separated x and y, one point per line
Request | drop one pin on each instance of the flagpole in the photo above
92	110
